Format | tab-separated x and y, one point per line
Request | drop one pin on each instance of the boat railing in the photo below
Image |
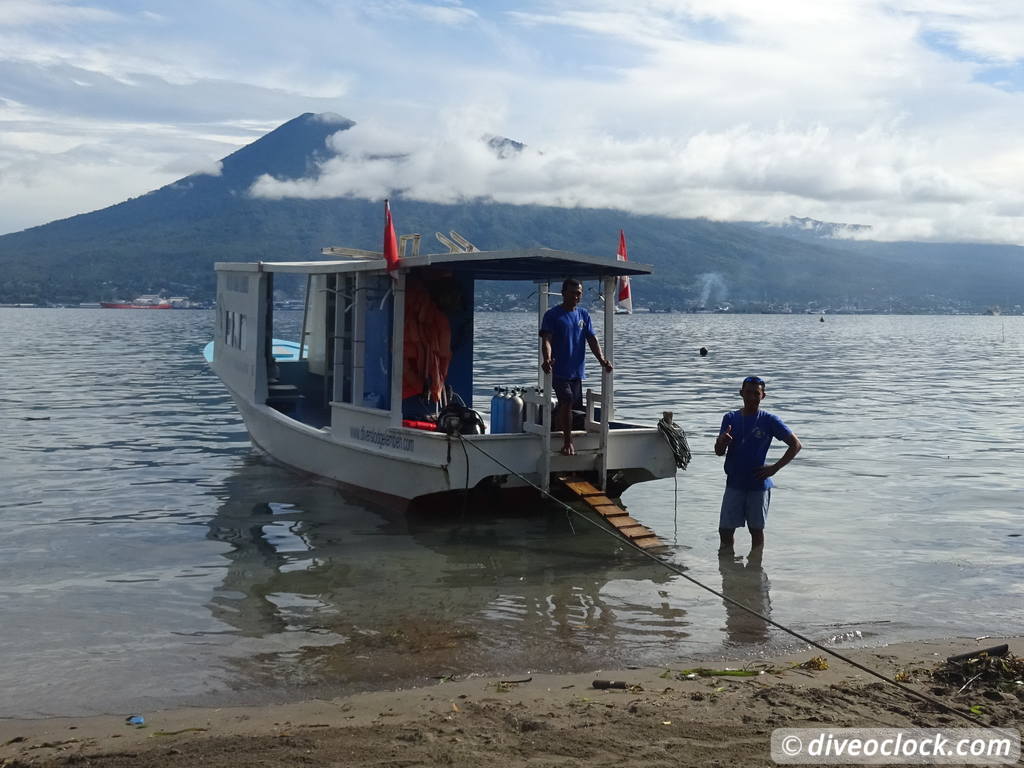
456	243
601	427
538	422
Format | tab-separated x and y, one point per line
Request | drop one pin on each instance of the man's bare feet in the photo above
568	449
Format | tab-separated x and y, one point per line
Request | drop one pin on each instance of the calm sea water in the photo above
149	558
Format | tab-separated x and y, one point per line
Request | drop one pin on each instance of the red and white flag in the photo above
390	242
624	298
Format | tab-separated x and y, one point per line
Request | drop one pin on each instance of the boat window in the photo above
344	308
316	325
374	367
236	283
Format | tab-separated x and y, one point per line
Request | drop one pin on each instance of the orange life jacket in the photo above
428	344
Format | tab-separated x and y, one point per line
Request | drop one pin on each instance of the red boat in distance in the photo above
142	302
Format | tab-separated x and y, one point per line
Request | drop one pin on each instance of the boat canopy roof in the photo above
515	264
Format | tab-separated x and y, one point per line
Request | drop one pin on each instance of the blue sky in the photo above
903	115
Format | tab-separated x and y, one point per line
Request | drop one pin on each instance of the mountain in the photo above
167	240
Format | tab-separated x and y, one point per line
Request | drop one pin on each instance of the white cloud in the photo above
853	110
989	29
55	169
194	166
38	187
26	12
741	173
450	14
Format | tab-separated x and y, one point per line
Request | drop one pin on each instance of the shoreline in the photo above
657	719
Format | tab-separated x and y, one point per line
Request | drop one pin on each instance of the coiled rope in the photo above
680	572
676	438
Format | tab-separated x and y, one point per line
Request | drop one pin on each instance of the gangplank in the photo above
632	530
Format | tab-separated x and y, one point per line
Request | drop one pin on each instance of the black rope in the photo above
680	572
676	438
465	490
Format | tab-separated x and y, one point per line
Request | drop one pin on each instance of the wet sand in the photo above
661	718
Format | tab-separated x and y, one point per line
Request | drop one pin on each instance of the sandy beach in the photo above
664	716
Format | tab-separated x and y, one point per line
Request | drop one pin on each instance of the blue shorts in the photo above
744	509
568	391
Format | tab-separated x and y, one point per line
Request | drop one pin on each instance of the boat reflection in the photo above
344	592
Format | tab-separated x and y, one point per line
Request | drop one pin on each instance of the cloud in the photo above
26	12
331	118
52	169
39	187
989	30
740	173
193	165
84	93
900	114
394	12
451	14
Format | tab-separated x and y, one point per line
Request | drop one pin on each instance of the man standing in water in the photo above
743	440
563	331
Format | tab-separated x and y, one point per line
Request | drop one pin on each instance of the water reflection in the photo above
747	584
369	594
140	551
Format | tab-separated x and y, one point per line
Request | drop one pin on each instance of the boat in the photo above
337	405
142	302
132	305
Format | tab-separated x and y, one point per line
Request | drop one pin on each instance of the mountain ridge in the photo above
169	238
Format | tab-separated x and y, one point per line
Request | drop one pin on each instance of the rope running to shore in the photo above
679	572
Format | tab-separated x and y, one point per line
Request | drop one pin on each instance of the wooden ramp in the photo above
630	529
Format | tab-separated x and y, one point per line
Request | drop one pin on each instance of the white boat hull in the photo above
410	464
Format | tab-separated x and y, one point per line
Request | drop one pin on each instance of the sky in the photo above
905	115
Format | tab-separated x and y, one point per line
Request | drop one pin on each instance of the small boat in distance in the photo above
148	301
386	352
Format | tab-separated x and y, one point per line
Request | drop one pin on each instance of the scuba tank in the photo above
506	415
496	412
515	409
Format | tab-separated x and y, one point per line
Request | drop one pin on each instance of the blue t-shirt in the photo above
569	331
751	436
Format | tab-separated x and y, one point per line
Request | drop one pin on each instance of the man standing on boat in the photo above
743	440
563	332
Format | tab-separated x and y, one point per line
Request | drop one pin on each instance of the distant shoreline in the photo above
641	312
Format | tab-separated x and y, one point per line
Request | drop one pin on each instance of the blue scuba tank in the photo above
496	412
